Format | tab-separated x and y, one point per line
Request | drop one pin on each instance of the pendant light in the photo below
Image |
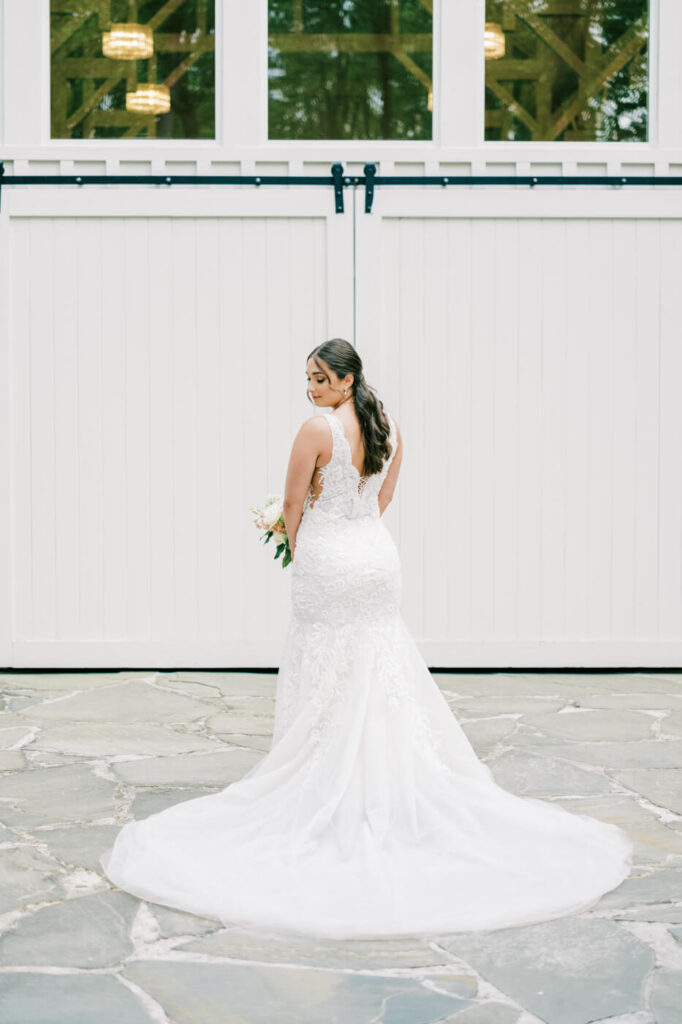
493	40
149	99
128	41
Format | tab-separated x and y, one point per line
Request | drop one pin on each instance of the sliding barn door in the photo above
528	342
155	344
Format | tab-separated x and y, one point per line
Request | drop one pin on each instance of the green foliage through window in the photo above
350	69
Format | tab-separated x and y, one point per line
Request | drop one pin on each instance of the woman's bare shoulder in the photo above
315	424
313	429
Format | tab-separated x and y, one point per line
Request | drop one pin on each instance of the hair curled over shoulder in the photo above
343	358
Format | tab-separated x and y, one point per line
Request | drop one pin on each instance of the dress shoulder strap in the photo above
335	426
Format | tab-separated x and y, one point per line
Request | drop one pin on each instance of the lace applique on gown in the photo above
371	814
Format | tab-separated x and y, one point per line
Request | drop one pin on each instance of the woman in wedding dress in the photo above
371	814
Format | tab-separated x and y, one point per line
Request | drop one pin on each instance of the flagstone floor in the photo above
81	754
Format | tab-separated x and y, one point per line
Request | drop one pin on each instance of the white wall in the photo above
526	343
152	345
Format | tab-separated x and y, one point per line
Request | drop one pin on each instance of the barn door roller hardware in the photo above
372	179
336	179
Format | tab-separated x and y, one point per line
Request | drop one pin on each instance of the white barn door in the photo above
153	350
155	344
529	344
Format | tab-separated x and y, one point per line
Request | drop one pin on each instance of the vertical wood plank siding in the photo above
534	366
155	363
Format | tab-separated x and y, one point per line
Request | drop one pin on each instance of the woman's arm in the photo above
308	444
389	484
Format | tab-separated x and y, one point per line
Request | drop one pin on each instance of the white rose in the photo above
273	512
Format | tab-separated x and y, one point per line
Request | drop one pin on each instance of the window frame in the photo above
242	70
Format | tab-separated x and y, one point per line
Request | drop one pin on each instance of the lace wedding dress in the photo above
371	815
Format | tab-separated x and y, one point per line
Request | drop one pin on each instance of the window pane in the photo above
567	70
350	69
132	70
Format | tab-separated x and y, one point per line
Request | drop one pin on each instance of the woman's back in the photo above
337	487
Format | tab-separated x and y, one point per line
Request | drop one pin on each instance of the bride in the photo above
371	814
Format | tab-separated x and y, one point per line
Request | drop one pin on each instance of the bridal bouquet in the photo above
269	518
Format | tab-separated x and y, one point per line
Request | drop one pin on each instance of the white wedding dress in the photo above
371	815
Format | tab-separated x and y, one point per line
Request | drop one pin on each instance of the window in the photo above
350	69
122	69
566	70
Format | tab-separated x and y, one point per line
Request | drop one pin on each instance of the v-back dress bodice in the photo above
346	494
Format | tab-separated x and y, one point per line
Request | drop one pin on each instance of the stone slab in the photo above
662	885
671	725
588	725
30	998
89	931
60	681
556	683
135	701
656	912
485	733
666	997
632	701
619	808
638	754
499	705
14	736
79	846
655	843
173	923
231	684
238	739
105	739
217	769
150	801
233	722
63	793
357	954
568	971
49	758
526	774
251	706
486	1013
662	786
221	993
18	701
12	761
26	876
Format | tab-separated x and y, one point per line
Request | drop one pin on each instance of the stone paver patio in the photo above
81	754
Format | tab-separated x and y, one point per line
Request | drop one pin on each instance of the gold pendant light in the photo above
493	40
149	99
128	41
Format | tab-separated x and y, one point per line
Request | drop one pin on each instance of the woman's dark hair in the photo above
343	358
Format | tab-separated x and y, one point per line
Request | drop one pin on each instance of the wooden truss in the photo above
547	52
